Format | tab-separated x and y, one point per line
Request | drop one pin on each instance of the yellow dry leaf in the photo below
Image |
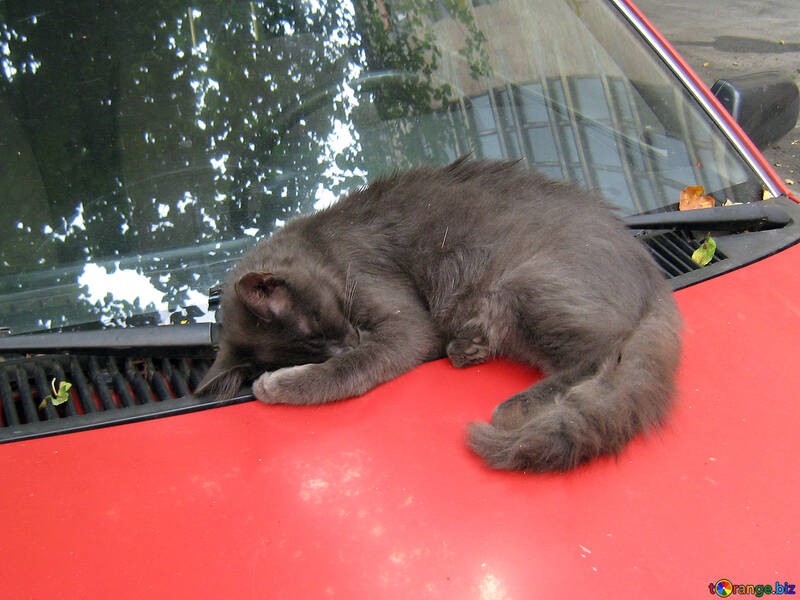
693	197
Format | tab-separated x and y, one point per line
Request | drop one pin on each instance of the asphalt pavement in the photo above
725	38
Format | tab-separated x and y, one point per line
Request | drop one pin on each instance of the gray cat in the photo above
475	260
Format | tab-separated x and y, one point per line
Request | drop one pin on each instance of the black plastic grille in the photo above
106	390
673	250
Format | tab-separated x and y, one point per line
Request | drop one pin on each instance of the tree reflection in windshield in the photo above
139	128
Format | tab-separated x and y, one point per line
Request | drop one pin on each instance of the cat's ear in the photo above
224	377
264	295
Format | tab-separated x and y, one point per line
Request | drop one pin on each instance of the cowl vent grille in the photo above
106	390
673	250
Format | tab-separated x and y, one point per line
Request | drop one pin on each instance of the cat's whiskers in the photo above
349	293
350	298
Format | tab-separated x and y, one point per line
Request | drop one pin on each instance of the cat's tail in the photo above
629	393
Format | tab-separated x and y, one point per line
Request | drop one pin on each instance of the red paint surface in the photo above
378	497
723	112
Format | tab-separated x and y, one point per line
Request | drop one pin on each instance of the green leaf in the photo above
57	397
703	255
63	393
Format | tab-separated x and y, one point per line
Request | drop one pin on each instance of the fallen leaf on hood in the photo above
693	198
703	255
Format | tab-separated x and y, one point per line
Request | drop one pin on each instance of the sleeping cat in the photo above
475	260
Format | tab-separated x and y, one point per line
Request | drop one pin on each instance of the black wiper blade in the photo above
114	339
738	217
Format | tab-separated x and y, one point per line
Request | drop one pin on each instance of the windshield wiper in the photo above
738	217
197	335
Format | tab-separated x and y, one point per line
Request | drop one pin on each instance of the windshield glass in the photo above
146	145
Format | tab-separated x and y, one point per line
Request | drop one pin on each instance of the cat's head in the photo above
272	320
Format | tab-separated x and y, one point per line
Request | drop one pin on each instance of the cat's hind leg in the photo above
468	349
476	340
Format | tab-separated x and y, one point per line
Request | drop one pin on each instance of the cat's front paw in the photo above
284	386
467	352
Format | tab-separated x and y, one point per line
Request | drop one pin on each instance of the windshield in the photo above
146	145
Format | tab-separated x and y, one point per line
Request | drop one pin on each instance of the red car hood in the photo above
379	497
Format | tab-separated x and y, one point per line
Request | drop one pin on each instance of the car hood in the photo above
379	496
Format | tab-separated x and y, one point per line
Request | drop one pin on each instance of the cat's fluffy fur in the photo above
475	260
